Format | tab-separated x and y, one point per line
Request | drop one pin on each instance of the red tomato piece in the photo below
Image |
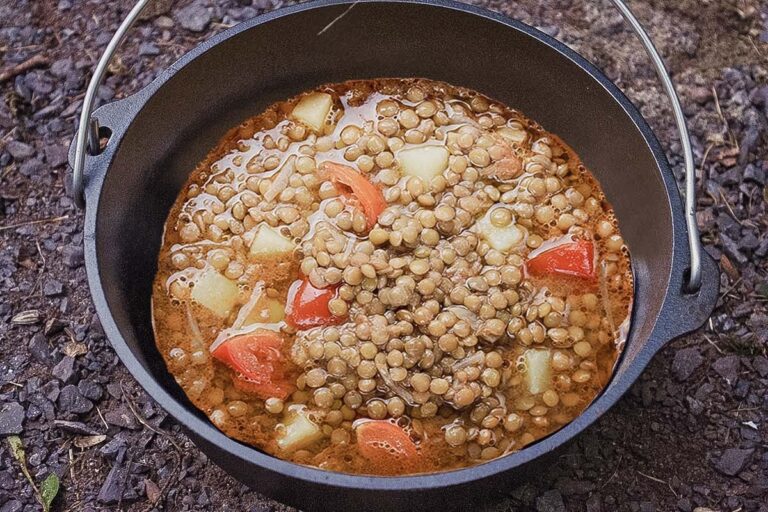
259	365
308	306
575	259
387	447
355	186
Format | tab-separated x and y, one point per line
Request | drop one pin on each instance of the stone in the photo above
728	368
686	361
194	18
11	419
64	369
148	49
550	501
39	348
733	461
71	400
121	417
19	150
52	288
55	155
90	389
112	489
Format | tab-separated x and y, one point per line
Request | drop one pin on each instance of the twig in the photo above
337	18
649	477
33	222
719	110
730	289
41	272
615	472
37	60
101	417
709	340
730	209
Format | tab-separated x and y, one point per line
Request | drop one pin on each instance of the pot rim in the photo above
204	428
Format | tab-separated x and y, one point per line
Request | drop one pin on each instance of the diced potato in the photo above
424	162
298	433
313	109
538	374
269	242
215	292
502	239
267	311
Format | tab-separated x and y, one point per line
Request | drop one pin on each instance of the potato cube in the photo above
538	374
424	162
269	242
298	433
313	109
502	239
267	311
215	292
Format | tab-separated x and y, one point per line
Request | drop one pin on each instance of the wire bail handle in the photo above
88	130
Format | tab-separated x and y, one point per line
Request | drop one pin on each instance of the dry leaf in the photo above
152	490
74	349
88	441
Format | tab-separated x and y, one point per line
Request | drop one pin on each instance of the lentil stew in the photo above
391	276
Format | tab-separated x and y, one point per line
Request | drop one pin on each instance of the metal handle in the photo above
87	134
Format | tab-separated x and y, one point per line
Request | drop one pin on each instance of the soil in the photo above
691	435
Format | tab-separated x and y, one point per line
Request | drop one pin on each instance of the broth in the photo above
391	276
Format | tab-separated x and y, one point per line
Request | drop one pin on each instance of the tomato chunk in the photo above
355	186
259	366
387	447
308	306
575	259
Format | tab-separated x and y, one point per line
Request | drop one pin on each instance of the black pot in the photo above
159	134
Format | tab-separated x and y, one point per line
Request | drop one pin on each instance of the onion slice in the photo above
281	179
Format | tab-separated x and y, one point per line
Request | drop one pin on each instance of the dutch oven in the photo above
157	136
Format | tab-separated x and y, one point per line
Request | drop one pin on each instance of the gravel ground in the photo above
691	435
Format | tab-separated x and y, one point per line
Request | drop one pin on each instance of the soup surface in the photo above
391	277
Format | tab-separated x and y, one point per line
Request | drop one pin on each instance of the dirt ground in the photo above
691	435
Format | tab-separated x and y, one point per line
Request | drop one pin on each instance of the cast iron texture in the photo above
159	134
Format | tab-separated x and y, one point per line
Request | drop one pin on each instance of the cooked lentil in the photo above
439	325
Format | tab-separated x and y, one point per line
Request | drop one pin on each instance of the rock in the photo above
90	389
71	400
12	506
733	461
52	288
163	22
728	368
64	369
686	361
112	489
550	501
61	67
148	49
55	155
121	417
19	150
761	365
731	248
39	348
11	419
195	17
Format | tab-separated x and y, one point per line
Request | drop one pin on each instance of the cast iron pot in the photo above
158	135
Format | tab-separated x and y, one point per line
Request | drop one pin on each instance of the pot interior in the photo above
239	76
